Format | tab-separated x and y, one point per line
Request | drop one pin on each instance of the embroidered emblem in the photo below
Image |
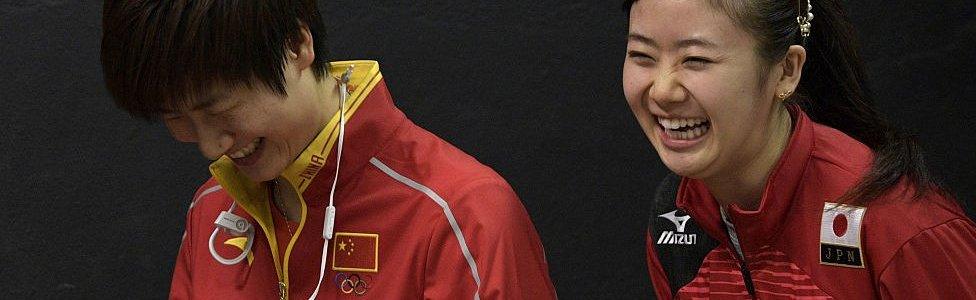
353	283
355	252
240	243
676	238
840	235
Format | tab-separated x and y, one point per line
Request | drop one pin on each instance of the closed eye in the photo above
172	116
697	63
222	108
640	57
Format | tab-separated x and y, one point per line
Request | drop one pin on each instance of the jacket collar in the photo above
370	119
756	228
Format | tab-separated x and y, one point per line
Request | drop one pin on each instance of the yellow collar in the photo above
252	196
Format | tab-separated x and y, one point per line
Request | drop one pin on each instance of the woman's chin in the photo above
688	163
683	165
259	173
683	172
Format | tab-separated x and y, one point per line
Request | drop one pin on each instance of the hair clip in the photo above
804	21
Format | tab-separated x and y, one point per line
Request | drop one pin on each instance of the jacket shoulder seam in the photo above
904	243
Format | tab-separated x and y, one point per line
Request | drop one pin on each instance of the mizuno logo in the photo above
671	238
676	238
679	222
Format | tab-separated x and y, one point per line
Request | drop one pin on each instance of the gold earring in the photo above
785	95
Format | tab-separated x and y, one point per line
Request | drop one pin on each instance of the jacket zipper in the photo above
283	284
740	257
282	267
747	277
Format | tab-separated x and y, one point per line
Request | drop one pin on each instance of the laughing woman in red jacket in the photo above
761	107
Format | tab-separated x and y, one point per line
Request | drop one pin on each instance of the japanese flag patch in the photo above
840	235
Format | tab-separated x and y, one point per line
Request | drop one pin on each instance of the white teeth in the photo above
672	126
666	123
687	134
247	150
675	123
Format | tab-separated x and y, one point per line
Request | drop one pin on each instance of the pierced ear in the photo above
792	65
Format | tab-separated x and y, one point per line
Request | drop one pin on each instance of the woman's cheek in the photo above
181	129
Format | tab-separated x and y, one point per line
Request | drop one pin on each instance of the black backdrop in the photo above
93	201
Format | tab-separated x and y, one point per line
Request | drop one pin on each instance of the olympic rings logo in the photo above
352	283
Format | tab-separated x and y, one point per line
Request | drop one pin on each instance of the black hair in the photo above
158	55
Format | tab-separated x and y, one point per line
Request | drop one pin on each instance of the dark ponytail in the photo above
833	90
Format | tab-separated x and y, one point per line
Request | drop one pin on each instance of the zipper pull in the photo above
739	255
282	290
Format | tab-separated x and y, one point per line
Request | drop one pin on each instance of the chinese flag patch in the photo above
355	252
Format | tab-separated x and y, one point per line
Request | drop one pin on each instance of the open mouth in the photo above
247	150
248	155
684	128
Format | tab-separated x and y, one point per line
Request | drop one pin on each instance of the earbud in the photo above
234	225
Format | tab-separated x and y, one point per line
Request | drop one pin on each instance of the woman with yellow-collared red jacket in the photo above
321	188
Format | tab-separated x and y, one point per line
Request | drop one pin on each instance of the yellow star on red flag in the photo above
355	252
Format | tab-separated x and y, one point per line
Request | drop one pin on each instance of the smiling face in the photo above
261	131
691	79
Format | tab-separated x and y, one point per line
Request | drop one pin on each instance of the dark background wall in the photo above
92	201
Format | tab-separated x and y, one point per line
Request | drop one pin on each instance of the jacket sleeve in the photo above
485	247
182	284
935	264
659	279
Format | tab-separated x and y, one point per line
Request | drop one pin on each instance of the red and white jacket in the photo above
416	218
799	244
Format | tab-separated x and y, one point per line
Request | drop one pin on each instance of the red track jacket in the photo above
416	218
800	244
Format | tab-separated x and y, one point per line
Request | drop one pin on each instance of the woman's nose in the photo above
666	88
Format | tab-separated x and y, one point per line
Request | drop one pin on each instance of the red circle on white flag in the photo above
840	225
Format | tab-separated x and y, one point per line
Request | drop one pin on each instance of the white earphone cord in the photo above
247	247
329	221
